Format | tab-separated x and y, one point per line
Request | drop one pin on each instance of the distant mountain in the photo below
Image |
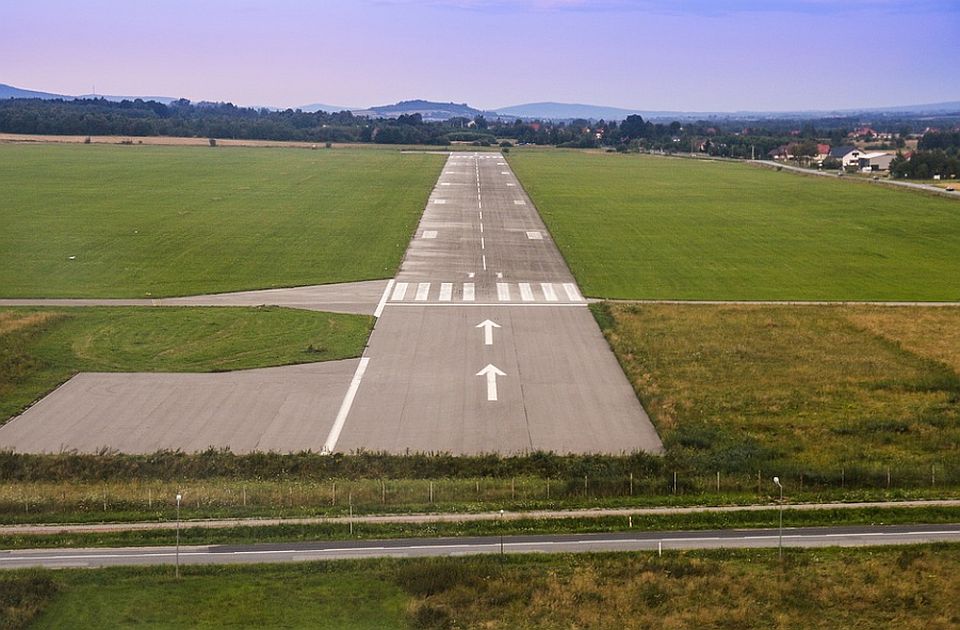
322	107
565	111
8	91
428	109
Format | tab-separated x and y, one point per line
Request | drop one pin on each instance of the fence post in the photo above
758	482
888	477
674	482
718	481
631	484
150	498
383	492
933	474
244	488
513	489
586	490
431	491
548	488
334	500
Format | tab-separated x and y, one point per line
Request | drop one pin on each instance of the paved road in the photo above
458	517
351	297
425	547
485	343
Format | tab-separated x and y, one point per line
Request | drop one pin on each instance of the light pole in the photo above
179	496
776	480
501	535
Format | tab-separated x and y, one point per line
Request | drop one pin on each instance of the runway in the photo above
810	537
485	343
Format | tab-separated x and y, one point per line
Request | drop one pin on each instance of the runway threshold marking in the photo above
345	406
399	290
423	292
446	291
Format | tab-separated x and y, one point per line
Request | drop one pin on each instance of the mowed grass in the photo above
41	348
814	389
906	587
161	220
645	227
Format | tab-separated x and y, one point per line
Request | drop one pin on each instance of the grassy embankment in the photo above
644	227
41	347
909	587
160	221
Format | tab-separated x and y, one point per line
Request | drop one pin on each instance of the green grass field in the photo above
810	389
161	221
904	587
644	227
41	348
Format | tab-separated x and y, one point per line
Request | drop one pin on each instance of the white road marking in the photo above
491	372
383	299
488	327
535	236
337	427
526	294
503	291
500	275
482	244
439	202
510	184
501	163
519	202
484	262
446	291
468	292
429	234
471	274
445	183
423	291
481	228
572	293
399	290
548	293
504	172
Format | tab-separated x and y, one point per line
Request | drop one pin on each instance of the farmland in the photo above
152	221
42	347
643	227
911	587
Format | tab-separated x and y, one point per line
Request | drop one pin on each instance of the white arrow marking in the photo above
488	327
491	372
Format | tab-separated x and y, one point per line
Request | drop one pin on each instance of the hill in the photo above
430	110
8	91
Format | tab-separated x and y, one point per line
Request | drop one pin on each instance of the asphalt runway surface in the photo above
483	344
274	409
809	537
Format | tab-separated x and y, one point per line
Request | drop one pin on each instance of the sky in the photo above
686	55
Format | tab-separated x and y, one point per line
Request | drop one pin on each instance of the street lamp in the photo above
501	535
776	480
179	497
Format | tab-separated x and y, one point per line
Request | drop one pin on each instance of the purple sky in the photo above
645	54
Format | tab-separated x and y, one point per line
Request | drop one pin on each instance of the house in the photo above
848	155
875	161
823	151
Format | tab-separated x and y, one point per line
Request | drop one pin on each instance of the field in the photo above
810	389
910	587
166	220
644	227
41	347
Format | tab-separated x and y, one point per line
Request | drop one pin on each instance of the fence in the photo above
213	498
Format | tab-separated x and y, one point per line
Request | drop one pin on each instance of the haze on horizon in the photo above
693	55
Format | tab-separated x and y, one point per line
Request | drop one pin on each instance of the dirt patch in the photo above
11	321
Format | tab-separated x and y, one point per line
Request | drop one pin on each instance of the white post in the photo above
179	497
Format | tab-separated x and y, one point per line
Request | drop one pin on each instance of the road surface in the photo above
426	547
